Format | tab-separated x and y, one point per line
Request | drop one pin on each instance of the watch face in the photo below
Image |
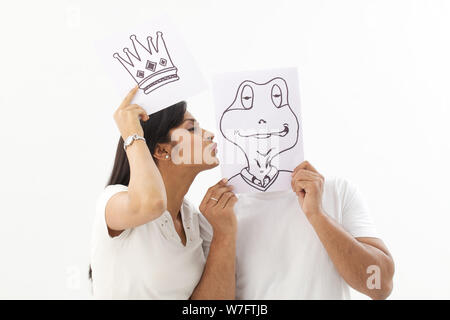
128	141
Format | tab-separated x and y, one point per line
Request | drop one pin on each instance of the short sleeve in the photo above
206	233
356	216
101	226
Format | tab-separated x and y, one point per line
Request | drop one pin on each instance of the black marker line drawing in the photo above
150	66
266	106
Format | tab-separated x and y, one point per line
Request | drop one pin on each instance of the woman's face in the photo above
193	146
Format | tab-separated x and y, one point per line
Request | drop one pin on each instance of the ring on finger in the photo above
212	198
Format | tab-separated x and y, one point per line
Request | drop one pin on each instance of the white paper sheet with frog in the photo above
259	128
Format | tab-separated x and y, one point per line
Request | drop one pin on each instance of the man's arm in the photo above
352	257
356	259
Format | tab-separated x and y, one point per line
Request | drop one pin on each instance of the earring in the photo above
167	156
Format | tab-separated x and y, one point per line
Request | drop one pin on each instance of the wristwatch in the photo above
129	141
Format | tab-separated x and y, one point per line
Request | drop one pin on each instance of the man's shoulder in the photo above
337	192
340	186
337	183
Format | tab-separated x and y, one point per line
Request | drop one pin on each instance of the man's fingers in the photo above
305	165
304	174
129	97
309	166
300	166
300	185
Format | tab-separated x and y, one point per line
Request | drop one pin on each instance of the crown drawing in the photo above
150	66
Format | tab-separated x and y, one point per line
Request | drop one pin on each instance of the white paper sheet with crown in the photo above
154	56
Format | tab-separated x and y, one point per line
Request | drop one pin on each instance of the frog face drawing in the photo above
263	126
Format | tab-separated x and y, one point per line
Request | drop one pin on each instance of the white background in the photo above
374	77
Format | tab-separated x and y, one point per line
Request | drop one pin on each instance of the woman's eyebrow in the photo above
190	119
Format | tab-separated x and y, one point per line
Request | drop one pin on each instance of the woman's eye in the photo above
195	127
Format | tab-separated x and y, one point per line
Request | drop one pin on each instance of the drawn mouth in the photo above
265	135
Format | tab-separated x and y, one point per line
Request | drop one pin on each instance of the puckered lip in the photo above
213	146
265	135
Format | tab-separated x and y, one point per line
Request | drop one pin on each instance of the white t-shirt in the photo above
148	261
279	255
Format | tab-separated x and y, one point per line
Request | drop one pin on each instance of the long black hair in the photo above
156	130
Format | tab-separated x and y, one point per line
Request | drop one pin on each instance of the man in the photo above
311	242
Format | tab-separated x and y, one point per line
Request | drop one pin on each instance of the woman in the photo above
148	240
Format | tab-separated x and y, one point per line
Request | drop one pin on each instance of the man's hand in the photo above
307	183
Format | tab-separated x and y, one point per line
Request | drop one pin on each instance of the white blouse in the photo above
148	261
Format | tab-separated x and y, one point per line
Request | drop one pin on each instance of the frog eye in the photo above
276	96
247	97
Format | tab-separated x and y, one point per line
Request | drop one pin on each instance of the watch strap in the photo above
129	141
